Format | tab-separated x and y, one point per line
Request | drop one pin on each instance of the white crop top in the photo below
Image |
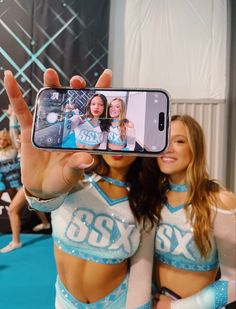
175	245
86	133
88	224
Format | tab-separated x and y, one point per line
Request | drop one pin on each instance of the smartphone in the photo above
102	120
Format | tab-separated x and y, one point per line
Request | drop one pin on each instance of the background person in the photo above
7	152
19	200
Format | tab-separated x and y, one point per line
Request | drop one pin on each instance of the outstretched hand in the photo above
47	174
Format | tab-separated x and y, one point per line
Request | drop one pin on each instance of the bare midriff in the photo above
88	281
115	147
183	282
81	146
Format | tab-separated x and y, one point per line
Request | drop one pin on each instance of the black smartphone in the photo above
169	293
102	120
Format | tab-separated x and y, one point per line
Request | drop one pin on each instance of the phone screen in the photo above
102	120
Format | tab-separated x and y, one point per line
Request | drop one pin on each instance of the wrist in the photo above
40	195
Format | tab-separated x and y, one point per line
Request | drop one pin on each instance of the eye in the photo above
179	141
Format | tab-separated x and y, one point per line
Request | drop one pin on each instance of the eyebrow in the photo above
180	135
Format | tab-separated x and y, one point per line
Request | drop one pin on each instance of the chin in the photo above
167	171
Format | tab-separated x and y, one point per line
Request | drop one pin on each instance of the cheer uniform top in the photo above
114	137
175	245
86	223
88	134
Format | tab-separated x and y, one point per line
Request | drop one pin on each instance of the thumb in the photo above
80	161
75	166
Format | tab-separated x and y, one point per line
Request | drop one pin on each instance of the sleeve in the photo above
75	120
103	144
130	136
222	291
44	205
140	275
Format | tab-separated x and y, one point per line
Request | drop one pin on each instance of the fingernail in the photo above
84	165
108	71
79	78
7	72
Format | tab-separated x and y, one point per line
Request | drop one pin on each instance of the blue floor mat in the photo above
28	274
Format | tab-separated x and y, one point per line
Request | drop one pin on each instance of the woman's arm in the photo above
222	291
140	276
75	121
130	136
44	205
47	175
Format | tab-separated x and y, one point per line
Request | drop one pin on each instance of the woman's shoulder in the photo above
226	200
129	124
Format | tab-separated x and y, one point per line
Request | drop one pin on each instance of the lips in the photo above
118	157
168	159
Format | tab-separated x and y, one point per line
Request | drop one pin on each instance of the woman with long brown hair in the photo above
122	132
197	223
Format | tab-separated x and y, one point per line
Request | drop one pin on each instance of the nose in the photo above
170	147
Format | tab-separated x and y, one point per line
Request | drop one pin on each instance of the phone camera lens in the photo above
161	121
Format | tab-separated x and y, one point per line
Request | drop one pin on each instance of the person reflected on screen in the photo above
121	134
90	129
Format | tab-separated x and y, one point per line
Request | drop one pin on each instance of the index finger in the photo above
17	101
104	80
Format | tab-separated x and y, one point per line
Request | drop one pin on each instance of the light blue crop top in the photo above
114	136
174	242
86	223
86	133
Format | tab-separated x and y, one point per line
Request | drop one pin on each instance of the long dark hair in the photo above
104	123
144	194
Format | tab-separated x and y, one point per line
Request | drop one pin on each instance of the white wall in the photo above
181	46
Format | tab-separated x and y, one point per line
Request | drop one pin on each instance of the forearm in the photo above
130	138
214	296
139	290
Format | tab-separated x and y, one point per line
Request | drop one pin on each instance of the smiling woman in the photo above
121	132
103	227
196	232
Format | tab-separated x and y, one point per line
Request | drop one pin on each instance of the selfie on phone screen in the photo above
127	121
